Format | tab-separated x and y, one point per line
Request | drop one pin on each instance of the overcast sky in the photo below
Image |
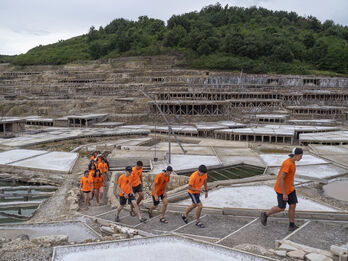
25	24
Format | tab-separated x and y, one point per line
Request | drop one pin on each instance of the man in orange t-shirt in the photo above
159	191
285	190
197	179
86	185
124	186
137	184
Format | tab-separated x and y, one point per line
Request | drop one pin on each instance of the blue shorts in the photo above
195	197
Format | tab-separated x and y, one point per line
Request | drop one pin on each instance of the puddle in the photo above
337	189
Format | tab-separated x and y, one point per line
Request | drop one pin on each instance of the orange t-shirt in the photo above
136	175
91	172
160	181
103	167
289	168
86	183
125	184
98	182
196	181
92	158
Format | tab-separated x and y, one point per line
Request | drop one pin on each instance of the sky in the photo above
25	24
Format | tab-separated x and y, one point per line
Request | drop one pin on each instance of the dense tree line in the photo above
255	40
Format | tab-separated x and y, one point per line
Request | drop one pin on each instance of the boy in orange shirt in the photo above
159	191
197	179
285	190
124	186
86	185
137	184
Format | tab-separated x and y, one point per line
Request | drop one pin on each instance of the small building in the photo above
11	125
271	118
336	112
38	121
60	122
86	120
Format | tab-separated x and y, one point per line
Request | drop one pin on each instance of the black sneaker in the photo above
263	218
292	228
142	220
184	218
117	219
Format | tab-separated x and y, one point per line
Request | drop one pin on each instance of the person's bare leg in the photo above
164	207
118	210
96	195
101	193
137	210
198	211
189	209
90	197
153	207
274	210
131	206
140	197
85	197
292	212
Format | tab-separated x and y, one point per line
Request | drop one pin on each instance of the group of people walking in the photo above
130	189
93	181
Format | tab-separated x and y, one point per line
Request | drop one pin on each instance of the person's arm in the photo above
132	189
282	185
193	189
154	190
205	188
120	190
141	178
80	185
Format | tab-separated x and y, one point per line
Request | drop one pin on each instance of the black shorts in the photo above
86	191
155	202
123	200
292	199
195	197
138	189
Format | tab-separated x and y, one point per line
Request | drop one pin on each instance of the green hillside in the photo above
255	40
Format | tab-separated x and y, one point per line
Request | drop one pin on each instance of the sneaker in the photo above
263	218
292	228
184	218
117	219
142	220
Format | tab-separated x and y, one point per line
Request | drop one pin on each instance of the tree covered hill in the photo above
255	40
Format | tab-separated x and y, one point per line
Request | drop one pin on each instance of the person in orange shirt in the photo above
94	156
92	170
86	185
99	158
137	184
103	168
285	190
159	192
124	186
197	179
98	181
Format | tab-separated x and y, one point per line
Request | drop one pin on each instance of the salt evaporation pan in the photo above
151	249
255	197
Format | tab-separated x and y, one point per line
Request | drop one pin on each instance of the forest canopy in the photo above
255	40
